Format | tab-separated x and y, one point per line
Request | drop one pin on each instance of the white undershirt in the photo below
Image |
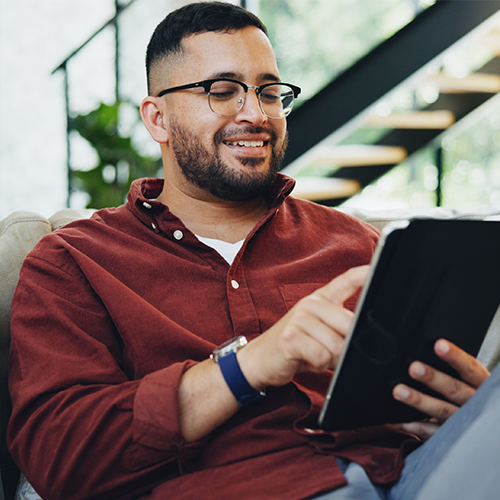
227	250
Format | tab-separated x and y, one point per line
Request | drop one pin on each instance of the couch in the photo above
20	231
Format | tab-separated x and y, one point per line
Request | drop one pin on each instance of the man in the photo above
114	320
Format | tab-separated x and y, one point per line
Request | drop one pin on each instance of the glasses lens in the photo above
276	100
226	98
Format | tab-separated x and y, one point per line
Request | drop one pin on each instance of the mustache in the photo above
221	135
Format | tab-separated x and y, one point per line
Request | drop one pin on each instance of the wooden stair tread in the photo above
414	120
324	188
492	41
475	82
359	155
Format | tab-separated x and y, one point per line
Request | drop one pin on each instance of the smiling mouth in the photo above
246	144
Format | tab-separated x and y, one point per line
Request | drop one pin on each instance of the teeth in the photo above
246	144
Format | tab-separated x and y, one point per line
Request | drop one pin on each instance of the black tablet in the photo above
430	279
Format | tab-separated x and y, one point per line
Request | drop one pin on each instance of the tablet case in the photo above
432	279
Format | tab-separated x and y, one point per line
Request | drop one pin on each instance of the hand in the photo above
457	392
309	338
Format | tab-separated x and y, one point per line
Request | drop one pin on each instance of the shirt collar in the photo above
143	193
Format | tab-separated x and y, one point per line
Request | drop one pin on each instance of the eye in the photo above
224	90
271	94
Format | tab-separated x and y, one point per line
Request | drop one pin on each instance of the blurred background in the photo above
72	76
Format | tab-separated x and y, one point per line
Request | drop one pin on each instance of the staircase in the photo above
323	129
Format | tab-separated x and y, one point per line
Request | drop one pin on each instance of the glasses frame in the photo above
206	84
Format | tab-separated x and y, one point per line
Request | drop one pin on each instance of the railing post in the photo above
118	9
68	134
439	185
64	67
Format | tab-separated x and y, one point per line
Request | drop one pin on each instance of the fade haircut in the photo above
192	19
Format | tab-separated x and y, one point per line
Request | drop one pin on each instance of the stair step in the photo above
324	188
414	120
492	42
475	82
359	155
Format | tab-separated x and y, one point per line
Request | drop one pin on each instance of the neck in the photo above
210	217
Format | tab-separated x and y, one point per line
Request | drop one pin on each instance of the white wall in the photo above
35	37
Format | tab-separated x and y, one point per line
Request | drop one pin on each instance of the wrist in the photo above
249	366
229	364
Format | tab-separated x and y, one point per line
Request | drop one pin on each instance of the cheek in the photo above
279	127
185	114
281	132
198	124
187	108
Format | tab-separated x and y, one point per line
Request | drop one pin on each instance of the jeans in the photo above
459	462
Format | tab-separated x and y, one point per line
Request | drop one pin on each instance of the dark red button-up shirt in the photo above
110	312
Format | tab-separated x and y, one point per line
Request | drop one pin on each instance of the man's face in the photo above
233	158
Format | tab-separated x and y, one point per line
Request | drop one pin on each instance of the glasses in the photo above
226	97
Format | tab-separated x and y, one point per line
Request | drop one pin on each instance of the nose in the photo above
251	111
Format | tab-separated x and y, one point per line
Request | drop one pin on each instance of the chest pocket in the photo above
293	292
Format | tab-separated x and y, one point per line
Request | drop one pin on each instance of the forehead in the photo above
246	54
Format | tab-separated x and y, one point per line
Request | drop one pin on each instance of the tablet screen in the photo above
430	279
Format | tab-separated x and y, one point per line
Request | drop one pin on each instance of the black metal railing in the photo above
112	24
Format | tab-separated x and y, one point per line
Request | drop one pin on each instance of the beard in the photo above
204	168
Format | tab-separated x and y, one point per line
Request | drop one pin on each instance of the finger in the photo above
316	354
315	325
452	389
288	348
423	429
335	317
345	285
437	408
467	366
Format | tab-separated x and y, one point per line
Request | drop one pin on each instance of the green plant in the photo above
119	162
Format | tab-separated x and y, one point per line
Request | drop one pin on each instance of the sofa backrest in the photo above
379	218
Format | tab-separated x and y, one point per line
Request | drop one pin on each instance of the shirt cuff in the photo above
156	408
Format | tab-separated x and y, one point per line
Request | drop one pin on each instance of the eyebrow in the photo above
238	76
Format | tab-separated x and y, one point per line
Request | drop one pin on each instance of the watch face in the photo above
232	345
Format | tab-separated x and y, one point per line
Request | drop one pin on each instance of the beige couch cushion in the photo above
379	218
19	233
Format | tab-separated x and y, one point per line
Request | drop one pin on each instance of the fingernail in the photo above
401	392
442	346
418	370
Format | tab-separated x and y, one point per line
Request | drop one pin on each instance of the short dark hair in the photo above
195	18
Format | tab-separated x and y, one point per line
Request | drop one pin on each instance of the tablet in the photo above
430	279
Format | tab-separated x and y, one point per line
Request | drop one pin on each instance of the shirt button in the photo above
235	284
146	205
178	235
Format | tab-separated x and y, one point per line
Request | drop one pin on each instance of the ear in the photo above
153	114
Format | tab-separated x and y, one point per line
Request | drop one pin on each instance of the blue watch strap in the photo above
236	381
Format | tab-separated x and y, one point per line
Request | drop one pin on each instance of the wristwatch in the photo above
225	356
